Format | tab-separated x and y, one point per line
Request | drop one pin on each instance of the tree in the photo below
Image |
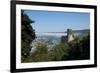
27	35
41	53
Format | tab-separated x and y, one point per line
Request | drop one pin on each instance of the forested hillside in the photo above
78	49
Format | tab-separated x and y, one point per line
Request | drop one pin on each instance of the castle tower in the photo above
70	35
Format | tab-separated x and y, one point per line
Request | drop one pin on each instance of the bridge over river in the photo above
51	40
68	35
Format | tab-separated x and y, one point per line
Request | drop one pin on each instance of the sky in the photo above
50	21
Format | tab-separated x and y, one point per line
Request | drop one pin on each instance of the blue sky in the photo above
49	21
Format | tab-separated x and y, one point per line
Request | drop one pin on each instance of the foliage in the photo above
27	35
77	49
41	54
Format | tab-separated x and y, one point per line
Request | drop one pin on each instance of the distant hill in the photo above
81	31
